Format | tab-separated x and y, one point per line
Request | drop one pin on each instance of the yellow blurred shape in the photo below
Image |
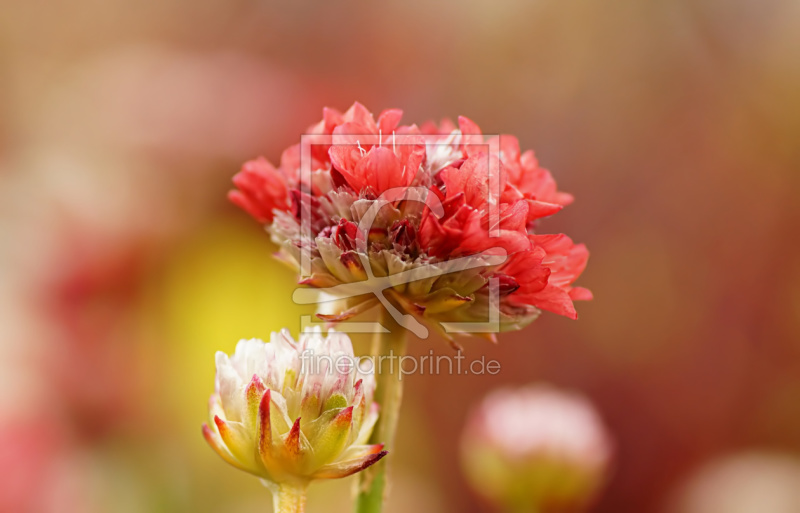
221	286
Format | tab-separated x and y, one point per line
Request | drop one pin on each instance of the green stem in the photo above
289	498
389	394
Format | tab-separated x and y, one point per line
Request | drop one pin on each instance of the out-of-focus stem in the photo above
389	394
290	498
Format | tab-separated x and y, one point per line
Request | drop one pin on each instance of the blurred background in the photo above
123	268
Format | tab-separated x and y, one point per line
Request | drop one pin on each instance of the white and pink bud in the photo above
293	411
536	449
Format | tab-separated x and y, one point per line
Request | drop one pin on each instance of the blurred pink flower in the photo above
26	455
536	449
749	482
91	304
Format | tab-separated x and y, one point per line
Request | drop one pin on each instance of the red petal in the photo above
344	417
361	115
509	145
556	300
264	426
388	120
349	468
539	209
331	118
581	294
472	138
220	449
380	169
471	179
262	189
293	439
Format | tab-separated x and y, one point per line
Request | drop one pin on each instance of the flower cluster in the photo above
276	417
374	199
536	449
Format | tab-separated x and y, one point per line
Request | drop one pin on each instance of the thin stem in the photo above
289	498
389	394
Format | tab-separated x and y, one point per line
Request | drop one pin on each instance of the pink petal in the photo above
472	137
388	120
359	114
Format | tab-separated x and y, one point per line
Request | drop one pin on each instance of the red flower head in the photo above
438	223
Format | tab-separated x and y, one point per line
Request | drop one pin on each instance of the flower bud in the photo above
293	411
749	482
536	449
